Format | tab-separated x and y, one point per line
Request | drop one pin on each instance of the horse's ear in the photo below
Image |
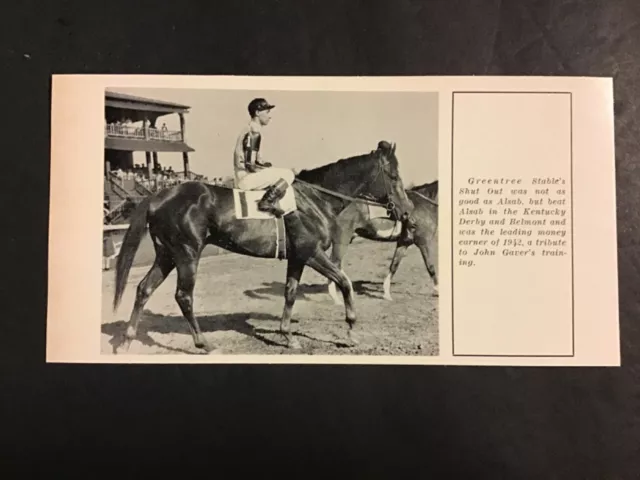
384	145
393	148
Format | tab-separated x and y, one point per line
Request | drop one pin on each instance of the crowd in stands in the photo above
164	177
161	177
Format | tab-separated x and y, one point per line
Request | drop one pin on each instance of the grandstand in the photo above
132	125
136	124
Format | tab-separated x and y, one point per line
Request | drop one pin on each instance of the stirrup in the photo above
271	208
268	202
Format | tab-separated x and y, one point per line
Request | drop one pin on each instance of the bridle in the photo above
354	198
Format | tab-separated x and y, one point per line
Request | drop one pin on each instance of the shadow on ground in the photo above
170	324
360	287
277	289
237	322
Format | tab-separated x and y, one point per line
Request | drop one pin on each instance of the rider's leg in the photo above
275	180
265	177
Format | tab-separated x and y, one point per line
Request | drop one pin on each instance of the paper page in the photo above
509	180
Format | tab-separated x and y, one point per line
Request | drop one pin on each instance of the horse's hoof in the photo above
348	343
351	340
294	344
123	348
387	296
203	345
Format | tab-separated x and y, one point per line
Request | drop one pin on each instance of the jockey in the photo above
251	173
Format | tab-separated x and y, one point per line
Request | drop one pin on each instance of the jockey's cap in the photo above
258	105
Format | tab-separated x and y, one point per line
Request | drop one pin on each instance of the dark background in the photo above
427	422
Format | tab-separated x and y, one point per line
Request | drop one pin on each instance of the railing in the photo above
142	189
138	133
116	184
128	185
121	211
165	135
114	213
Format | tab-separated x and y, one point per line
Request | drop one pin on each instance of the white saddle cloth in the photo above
246	203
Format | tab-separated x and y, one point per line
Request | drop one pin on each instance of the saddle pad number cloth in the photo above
246	203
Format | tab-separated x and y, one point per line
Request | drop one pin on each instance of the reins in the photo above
426	198
389	206
340	195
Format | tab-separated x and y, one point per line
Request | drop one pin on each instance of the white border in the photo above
75	239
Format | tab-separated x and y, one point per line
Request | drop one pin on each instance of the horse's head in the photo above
388	186
374	175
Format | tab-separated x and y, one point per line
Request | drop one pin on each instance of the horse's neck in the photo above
332	177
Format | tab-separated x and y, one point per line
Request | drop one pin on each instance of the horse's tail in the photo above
130	245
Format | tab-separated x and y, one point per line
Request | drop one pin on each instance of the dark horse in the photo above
183	219
358	220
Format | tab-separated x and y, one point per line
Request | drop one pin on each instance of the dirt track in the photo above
239	300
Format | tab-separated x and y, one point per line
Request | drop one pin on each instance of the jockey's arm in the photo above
239	151
238	154
260	160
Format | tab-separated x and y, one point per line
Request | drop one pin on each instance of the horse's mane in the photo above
339	166
430	188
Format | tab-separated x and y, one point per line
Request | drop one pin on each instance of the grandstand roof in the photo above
138	145
134	103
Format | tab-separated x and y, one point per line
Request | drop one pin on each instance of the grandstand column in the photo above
183	127
185	160
148	158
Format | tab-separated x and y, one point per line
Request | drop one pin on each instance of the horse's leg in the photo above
294	272
426	252
337	254
401	250
162	266
321	263
187	270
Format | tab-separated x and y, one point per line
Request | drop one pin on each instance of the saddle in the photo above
246	208
246	203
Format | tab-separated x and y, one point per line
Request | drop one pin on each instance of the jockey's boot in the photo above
274	193
408	229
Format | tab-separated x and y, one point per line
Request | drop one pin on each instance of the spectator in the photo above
108	251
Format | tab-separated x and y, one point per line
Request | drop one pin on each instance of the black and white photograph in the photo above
270	222
300	220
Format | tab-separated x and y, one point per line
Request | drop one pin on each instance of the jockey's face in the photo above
264	117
